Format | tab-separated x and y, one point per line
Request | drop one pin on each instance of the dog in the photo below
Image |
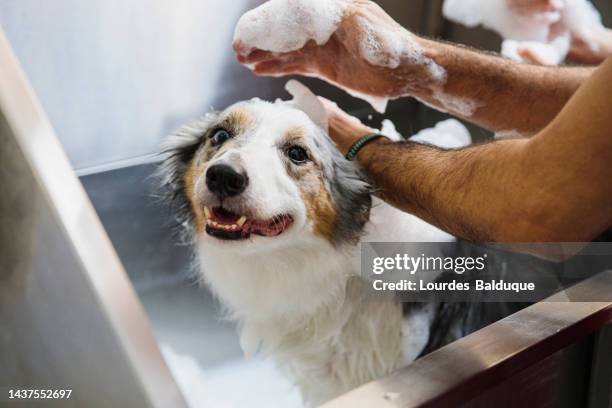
276	215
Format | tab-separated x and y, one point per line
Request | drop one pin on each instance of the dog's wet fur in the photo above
279	247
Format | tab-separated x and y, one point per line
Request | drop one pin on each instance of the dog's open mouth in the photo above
224	224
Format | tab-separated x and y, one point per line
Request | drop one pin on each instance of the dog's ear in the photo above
307	102
178	151
352	198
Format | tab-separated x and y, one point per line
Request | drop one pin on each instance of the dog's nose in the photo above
224	181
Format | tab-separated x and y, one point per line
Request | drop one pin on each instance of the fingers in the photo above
584	55
344	129
530	56
592	51
278	68
527	7
247	55
269	64
266	63
327	104
255	56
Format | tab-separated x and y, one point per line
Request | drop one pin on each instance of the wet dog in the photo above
277	215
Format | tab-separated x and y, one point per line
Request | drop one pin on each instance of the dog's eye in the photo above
219	137
297	154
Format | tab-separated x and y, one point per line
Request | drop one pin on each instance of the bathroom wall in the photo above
115	76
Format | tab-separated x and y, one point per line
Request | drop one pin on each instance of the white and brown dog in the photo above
277	215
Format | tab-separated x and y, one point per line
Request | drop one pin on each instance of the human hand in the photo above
530	7
344	129
588	45
366	54
592	51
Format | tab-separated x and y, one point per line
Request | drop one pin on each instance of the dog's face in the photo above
261	176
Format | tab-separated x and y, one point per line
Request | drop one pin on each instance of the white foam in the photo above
378	103
231	384
388	129
456	104
497	15
552	53
287	25
386	46
531	32
448	134
306	101
583	19
281	26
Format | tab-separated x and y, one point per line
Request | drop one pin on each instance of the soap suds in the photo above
456	104
231	383
552	53
530	34
287	25
282	26
307	102
387	46
378	103
388	129
448	134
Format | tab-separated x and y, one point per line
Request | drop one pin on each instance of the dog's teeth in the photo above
206	212
241	221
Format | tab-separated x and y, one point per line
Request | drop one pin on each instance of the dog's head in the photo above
263	175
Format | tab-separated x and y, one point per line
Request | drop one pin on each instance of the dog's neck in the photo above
288	283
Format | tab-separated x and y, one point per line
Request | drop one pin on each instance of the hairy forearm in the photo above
494	92
555	186
504	191
468	192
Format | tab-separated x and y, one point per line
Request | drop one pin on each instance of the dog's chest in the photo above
363	345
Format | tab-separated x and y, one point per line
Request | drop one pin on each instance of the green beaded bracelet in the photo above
360	143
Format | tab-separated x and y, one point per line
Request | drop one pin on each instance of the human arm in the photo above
553	187
485	89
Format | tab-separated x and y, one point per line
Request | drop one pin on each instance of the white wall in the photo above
115	76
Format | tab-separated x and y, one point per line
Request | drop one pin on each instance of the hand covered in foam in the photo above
538	31
530	7
575	30
351	43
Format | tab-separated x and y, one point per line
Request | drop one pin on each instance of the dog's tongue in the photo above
225	216
268	228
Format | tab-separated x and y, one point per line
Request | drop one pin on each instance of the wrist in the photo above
346	137
420	70
368	152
